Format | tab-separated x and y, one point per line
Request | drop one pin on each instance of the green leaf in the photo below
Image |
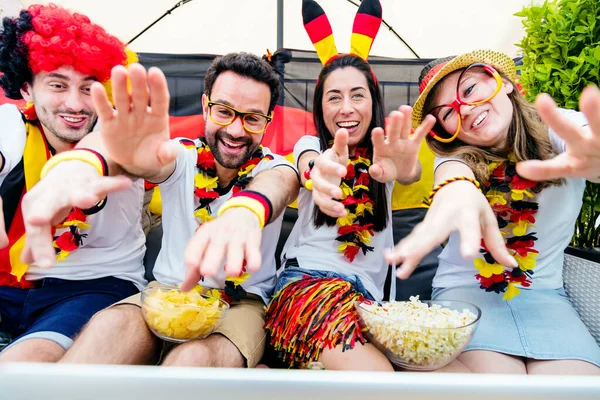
597	54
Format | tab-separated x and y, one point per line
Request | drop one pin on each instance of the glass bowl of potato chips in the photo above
178	316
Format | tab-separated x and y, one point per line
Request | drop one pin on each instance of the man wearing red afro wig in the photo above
50	57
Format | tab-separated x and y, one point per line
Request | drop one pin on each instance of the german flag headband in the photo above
366	25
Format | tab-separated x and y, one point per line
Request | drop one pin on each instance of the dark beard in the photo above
231	163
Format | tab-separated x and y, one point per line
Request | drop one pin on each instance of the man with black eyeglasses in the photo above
223	197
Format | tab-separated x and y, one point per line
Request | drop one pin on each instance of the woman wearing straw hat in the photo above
514	176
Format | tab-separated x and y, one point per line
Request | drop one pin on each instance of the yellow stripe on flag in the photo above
326	49
361	45
18	268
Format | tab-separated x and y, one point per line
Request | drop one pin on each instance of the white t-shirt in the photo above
179	225
554	225
316	248
115	244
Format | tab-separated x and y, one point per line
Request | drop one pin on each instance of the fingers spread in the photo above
470	233
38	243
120	92
560	166
139	88
495	242
423	130
551	115
378	139
159	92
103	107
253	253
590	105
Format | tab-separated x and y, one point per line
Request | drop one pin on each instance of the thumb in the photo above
340	144
376	171
167	152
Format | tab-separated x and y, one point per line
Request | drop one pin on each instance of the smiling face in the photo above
347	103
63	104
233	145
483	125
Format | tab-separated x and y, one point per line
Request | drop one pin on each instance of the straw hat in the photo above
438	69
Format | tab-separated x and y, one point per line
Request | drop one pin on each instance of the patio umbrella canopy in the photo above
433	28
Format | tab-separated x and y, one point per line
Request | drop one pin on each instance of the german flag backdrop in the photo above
293	114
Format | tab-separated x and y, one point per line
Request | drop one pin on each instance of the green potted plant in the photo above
561	56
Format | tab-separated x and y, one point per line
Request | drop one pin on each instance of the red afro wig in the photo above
60	37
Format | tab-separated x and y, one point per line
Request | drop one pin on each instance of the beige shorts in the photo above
243	325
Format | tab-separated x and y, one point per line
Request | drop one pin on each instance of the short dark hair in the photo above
247	65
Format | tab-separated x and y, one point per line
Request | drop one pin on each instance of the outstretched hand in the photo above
582	155
396	150
327	173
234	237
460	207
136	131
69	184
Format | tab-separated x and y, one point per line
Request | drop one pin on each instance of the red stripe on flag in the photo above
14	233
366	24
318	29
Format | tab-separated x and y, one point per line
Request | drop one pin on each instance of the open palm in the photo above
136	134
395	150
582	156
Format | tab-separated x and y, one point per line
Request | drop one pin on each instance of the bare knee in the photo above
213	351
561	367
116	322
491	362
116	335
361	358
33	350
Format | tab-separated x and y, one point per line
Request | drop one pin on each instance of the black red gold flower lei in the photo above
70	240
356	228
509	196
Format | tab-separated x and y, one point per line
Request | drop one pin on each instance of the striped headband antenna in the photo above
366	25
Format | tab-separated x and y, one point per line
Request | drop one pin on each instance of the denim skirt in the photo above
538	323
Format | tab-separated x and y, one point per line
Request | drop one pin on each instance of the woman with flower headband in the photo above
334	254
515	176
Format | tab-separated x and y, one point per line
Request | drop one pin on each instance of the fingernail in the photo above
514	262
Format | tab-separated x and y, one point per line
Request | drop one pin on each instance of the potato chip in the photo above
180	316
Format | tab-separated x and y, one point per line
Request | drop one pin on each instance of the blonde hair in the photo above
527	137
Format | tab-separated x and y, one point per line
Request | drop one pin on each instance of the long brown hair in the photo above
528	139
376	189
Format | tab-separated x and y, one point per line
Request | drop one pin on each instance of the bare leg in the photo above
117	335
455	367
213	351
561	367
361	358
33	350
481	361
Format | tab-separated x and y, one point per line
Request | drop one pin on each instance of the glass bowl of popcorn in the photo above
419	335
179	316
